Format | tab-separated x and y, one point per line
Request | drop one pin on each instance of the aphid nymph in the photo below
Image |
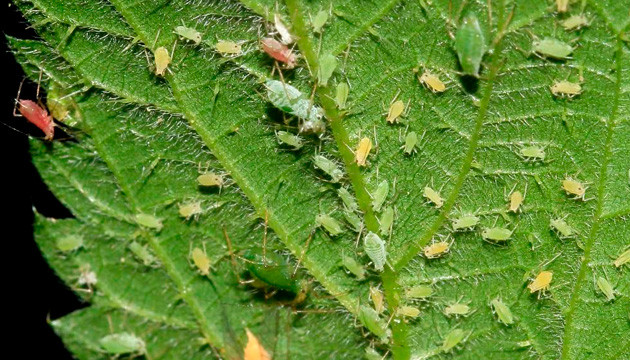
279	52
432	82
362	152
541	283
433	196
162	60
552	48
565	89
225	47
332	226
374	247
574	187
380	195
502	311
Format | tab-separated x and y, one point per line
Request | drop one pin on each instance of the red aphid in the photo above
38	116
279	51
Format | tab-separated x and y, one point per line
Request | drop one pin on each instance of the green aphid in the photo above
452	339
496	234
122	343
419	292
411	141
533	153
341	95
370	319
142	253
470	45
387	221
329	167
371	354
380	195
353	266
374	247
149	221
69	243
353	220
623	259
562	228
465	223
408	311
188	34
606	288
319	21
285	137
291	100
503	311
332	226
457	309
272	270
575	22
348	199
327	65
552	48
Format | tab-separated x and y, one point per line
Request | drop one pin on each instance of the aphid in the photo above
149	221
606	288
563	5
353	266
279	52
377	299
433	196
225	47
575	22
162	60
329	167
436	250
533	153
503	311
452	339
291	100
273	270
319	21
201	261
408	311
348	199
374	247
470	45
552	48
523	344
285	137
496	234
411	141
516	199
457	309
329	223
419	292
565	88
189	34
190	209
541	282
370	319
432	82
465	223
562	228
380	195
371	354
208	179
623	259
87	277
254	349
395	110
353	219
69	243
387	221
37	116
362	152
285	35
574	187
327	65
122	343
341	95
142	253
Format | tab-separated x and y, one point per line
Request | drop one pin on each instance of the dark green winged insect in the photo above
470	45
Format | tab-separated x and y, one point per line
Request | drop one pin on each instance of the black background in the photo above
31	292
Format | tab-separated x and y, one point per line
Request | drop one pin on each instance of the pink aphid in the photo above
38	116
279	51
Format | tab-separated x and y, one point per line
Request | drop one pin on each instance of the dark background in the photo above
33	293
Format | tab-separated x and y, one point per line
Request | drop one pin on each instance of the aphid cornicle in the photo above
432	82
37	116
552	48
225	47
162	60
374	247
502	311
566	89
122	343
279	51
362	152
470	45
541	283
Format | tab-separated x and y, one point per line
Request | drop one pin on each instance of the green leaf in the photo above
141	140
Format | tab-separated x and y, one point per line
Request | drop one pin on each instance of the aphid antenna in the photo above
157	35
306	246
233	257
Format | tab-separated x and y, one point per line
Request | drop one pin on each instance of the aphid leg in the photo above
265	237
308	242
17	99
233	258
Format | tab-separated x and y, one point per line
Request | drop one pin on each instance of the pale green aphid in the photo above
374	247
566	89
408	311
433	196
348	199
552	48
623	259
122	343
371	354
465	223
341	95
353	266
575	22
190	209
496	234
470	45
327	65
329	223
319	21
291	100
370	319
387	221
149	221
452	339
524	343
606	288
69	243
142	253
411	141
329	167
380	194
378	299
419	292
533	153
188	34
285	137
503	311
353	219
562	228
457	309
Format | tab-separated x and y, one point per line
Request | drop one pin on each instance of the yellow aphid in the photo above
228	47
563	5
363	150
395	110
254	349
623	259
162	60
436	250
566	88
378	299
516	199
408	311
210	179
432	82
574	187
201	261
433	197
541	282
190	209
